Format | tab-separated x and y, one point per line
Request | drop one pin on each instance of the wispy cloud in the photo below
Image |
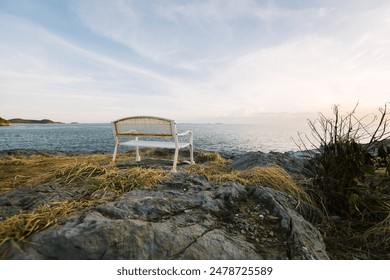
196	59
58	60
206	12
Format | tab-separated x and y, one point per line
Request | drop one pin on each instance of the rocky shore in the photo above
57	205
187	218
184	216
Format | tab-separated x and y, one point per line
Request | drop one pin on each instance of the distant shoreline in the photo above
28	121
4	122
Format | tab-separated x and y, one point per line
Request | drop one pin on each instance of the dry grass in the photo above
208	157
22	225
120	181
379	234
22	171
94	174
275	177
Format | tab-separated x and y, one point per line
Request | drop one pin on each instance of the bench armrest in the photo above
184	133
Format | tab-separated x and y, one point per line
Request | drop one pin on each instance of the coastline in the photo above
244	200
4	122
63	193
9	122
30	121
46	152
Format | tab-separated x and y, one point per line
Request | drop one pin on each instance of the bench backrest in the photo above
144	126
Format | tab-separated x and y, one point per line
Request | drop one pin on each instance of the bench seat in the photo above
154	144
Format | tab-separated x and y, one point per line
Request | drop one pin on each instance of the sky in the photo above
235	61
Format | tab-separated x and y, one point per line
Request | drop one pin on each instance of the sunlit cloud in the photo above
194	60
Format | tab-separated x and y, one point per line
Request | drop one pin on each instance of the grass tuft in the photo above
208	157
379	234
270	176
94	175
23	225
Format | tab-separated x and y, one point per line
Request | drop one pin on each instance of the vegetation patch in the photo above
97	179
272	176
24	224
351	162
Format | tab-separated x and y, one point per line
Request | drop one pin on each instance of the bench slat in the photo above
153	144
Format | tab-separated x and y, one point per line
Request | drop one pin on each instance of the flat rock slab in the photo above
183	218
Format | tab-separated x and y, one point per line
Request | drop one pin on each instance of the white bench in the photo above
150	128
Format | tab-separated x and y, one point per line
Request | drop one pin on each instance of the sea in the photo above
98	137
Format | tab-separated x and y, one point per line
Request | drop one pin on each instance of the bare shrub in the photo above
344	154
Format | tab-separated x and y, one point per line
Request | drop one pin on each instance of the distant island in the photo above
4	122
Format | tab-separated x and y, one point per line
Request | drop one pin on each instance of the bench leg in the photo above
137	156
175	159
192	154
115	153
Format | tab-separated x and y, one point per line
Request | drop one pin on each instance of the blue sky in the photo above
192	61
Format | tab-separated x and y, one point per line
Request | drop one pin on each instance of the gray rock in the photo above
291	162
185	218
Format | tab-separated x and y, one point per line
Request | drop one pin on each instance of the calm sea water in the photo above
232	138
